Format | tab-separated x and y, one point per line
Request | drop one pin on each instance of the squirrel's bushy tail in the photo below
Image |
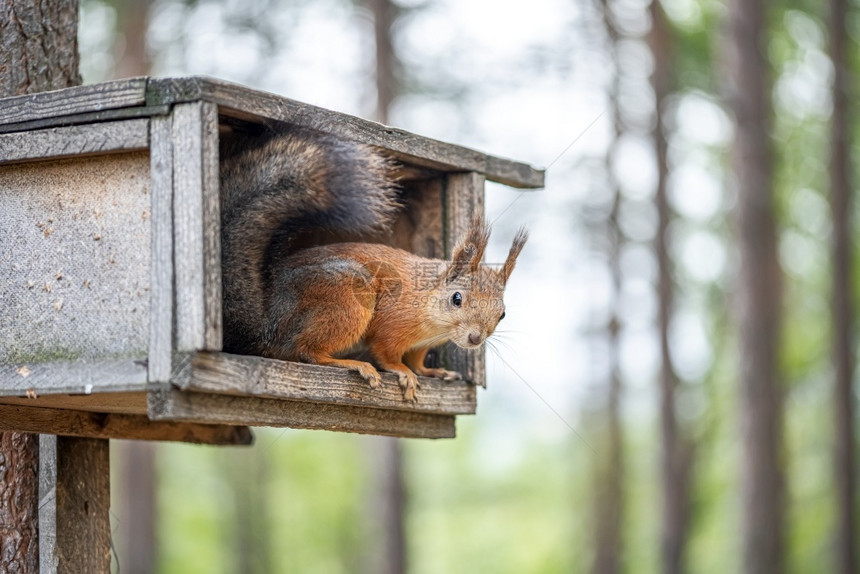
276	185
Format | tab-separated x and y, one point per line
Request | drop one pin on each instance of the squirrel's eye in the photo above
503	316
457	299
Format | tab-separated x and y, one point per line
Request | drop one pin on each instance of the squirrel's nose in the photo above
474	339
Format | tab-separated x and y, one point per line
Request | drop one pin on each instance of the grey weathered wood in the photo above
48	558
73	377
154	94
116	426
86	118
196	249
464	200
174	404
419	227
126	402
211	228
129	135
161	270
270	378
124	93
250	104
74	495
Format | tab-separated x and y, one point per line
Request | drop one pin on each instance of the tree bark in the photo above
758	291
38	52
843	285
38	46
19	503
676	451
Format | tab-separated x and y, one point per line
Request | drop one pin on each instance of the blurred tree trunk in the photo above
387	553
385	12
132	25
248	530
136	507
608	508
38	52
676	451
843	284
758	290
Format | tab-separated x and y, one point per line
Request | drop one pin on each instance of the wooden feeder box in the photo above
110	274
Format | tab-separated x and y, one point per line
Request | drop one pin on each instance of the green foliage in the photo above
470	513
311	492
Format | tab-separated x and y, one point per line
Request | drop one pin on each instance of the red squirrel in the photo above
315	304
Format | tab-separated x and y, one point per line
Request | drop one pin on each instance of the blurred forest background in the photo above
672	387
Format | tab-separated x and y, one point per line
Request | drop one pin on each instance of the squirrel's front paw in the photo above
445	375
370	374
409	383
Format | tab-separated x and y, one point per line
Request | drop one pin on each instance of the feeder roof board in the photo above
146	97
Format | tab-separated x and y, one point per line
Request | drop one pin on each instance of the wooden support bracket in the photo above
111	425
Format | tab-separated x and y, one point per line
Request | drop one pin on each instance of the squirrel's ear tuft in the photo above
517	246
469	252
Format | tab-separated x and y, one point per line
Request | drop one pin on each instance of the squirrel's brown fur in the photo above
317	303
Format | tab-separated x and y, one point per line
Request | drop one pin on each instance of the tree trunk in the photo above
19	503
249	526
843	284
38	46
676	454
384	15
132	24
758	291
38	52
387	501
608	511
136	479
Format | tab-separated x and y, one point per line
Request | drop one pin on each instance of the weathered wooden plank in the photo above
464	200
85	118
419	225
129	135
48	504
130	403
173	404
161	270
250	104
74	494
117	426
197	253
79	99
270	378
211	228
73	377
